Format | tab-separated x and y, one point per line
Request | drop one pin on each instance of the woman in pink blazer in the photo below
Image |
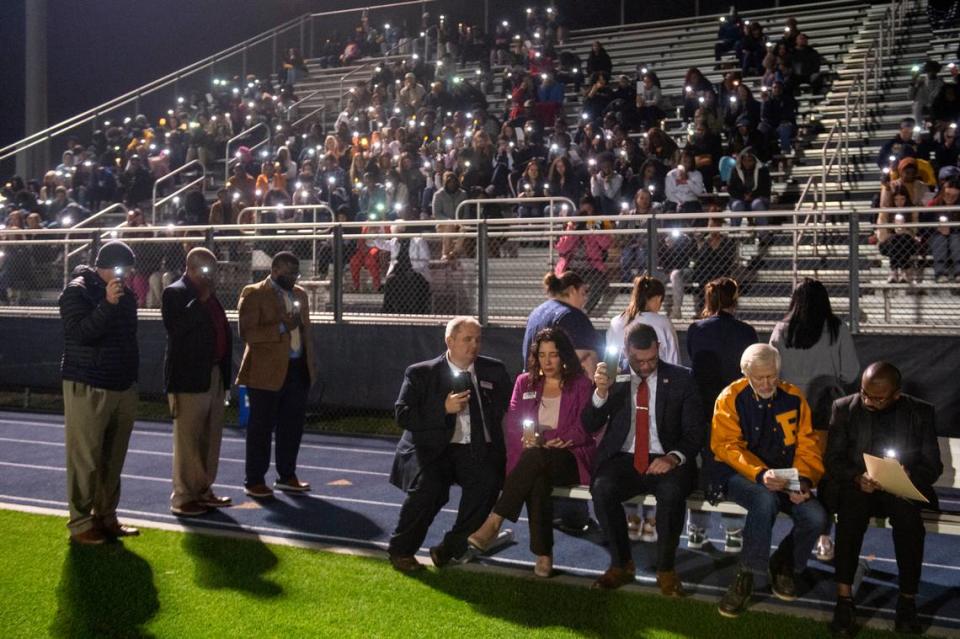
546	444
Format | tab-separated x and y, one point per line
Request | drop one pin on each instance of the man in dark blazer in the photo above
197	374
881	421
658	458
450	409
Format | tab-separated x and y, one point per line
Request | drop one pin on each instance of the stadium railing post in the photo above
336	285
652	242
483	310
854	253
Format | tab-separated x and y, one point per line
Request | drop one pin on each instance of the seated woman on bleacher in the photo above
749	187
695	86
546	443
900	244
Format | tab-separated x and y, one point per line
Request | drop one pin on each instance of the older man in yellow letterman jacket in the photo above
761	435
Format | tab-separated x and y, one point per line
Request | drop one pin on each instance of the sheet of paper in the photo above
791	474
890	475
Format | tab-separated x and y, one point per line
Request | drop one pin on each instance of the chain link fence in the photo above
883	276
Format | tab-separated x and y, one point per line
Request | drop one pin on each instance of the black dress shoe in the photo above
906	621
440	556
844	618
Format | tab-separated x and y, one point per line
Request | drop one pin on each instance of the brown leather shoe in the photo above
670	585
213	501
291	485
406	564
92	537
616	576
117	530
258	491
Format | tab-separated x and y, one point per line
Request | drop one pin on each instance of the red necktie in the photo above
641	446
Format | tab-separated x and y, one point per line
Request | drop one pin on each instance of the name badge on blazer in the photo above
625	377
486	385
530	395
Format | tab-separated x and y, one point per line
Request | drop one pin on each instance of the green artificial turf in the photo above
166	584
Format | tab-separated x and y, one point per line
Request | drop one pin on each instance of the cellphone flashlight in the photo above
118	271
890	453
529	428
612	360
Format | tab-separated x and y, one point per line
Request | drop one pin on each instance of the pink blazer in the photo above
573	399
595	245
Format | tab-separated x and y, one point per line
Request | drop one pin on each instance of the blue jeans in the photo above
633	261
763	505
755	205
945	249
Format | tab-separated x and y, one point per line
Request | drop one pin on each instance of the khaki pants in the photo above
197	430
98	427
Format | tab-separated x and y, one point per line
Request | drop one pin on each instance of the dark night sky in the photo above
99	49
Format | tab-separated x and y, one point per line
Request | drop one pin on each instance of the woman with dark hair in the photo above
715	344
646	301
945	240
546	443
567	294
899	244
598	62
695	86
818	355
562	180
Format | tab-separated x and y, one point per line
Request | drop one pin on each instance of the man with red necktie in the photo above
654	430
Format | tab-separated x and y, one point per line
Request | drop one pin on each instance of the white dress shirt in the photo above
461	431
656	448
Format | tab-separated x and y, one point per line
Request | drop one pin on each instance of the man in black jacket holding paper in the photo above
881	421
450	409
197	373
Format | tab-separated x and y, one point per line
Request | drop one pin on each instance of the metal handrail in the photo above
289	109
186	187
239	136
322	107
99	214
74	121
378	60
203	174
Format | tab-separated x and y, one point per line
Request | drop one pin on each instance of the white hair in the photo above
457	322
759	353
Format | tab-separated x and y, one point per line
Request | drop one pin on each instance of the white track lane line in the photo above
156	453
238	440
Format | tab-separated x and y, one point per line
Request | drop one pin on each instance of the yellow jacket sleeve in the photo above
807	458
726	438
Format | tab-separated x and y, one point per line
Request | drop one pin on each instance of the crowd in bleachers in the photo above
421	135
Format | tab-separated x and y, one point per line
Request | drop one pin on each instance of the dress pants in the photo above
853	516
282	412
531	481
98	427
763	506
197	432
478	472
616	480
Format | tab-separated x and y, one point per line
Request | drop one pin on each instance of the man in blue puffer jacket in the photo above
99	369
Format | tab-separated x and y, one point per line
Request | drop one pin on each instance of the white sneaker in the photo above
648	532
733	541
696	537
825	549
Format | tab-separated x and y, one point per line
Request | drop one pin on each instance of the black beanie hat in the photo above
114	254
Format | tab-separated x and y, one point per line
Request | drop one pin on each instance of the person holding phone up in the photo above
450	409
100	364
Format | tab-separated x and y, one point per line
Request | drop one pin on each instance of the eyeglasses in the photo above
873	399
